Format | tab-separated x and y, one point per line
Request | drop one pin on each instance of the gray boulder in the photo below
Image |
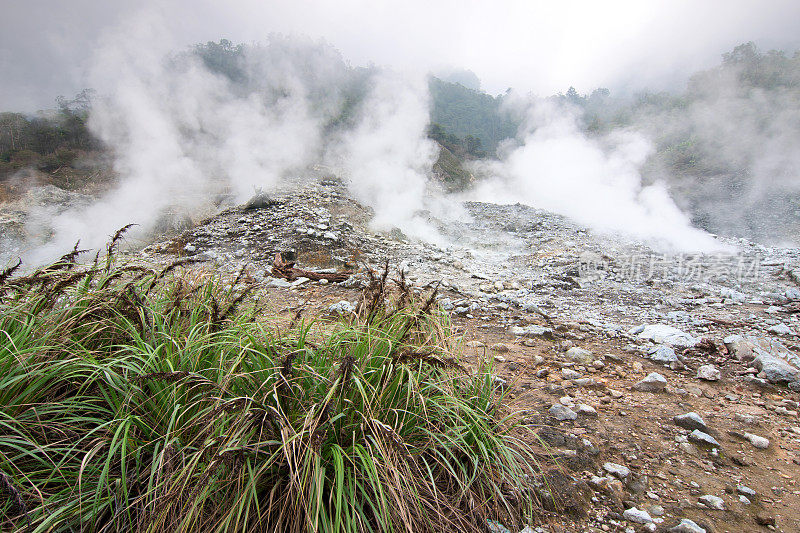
708	373
617	470
687	526
774	369
562	412
654	382
690	421
712	502
260	200
700	437
775	361
664	334
663	354
579	355
637	516
342	308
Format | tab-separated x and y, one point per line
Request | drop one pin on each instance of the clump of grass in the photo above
142	400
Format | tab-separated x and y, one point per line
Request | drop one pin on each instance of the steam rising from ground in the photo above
184	137
388	157
181	138
744	144
597	182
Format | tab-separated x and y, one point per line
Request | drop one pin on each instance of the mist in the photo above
739	126
181	137
188	137
539	47
387	158
555	166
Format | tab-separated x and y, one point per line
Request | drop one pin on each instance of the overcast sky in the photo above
47	46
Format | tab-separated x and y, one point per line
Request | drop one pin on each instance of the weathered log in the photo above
285	269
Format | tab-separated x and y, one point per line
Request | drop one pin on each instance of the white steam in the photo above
596	182
387	157
183	136
746	180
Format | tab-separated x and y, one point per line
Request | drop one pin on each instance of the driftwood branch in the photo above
285	269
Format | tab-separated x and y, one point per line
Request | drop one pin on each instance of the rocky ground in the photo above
661	389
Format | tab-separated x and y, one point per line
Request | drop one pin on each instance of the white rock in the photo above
531	331
781	329
708	373
664	334
759	442
744	490
341	308
732	294
687	526
712	502
617	470
637	516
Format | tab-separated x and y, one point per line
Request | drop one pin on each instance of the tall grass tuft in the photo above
141	400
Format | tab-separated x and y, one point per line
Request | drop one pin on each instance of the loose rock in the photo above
687	526
690	421
654	382
617	470
759	442
342	308
663	354
664	334
579	355
562	412
699	437
708	373
637	516
712	502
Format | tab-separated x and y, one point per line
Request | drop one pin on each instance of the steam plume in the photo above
596	182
